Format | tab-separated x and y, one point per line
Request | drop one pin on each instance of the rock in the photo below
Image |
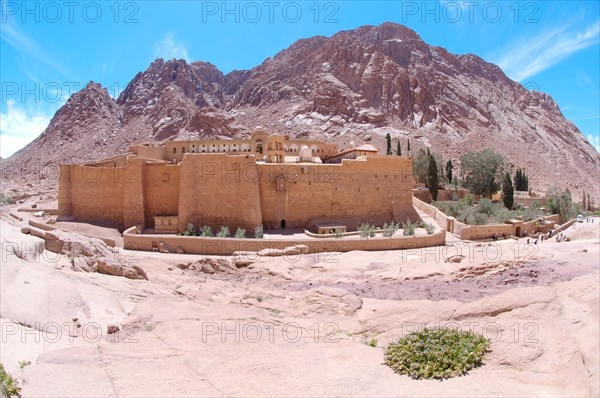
38	214
295	250
455	259
269	252
241	262
111	329
116	269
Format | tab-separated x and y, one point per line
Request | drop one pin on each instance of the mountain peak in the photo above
353	87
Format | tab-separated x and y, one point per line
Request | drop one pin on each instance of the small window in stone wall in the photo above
174	150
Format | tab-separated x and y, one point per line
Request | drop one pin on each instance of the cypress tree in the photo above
433	178
508	192
449	171
388	140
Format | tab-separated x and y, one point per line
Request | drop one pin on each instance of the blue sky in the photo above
50	49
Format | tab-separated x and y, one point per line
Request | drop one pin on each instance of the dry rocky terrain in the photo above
296	326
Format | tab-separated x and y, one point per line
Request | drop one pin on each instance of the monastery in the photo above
266	180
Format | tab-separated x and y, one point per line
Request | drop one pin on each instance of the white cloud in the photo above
528	58
11	34
169	48
594	139
19	126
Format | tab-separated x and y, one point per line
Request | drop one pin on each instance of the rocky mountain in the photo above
353	87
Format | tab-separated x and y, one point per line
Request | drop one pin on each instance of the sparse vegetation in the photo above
24	363
240	233
372	343
485	211
189	230
390	229
364	230
429	228
7	200
338	233
206	231
224	232
408	228
438	353
258	232
10	386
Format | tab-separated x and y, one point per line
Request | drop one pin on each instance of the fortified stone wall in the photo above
217	189
161	191
92	194
375	190
150	152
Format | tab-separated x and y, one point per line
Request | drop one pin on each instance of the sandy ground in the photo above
298	326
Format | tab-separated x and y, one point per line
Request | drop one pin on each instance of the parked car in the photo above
579	218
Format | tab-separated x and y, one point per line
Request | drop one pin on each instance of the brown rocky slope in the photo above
352	87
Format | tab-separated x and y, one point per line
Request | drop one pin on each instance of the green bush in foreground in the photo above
8	385
438	353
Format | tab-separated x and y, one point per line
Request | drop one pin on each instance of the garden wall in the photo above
227	246
447	223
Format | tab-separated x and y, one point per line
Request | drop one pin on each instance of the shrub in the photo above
409	228
429	228
240	233
372	231
338	233
190	230
438	353
10	386
364	230
223	232
206	231
5	199
258	232
22	364
372	343
390	229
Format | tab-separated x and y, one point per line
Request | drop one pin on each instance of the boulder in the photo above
270	252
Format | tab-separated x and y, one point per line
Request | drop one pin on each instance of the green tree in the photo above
420	167
560	202
482	171
508	192
388	140
433	178
449	171
398	148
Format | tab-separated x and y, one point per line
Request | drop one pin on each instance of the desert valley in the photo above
398	189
